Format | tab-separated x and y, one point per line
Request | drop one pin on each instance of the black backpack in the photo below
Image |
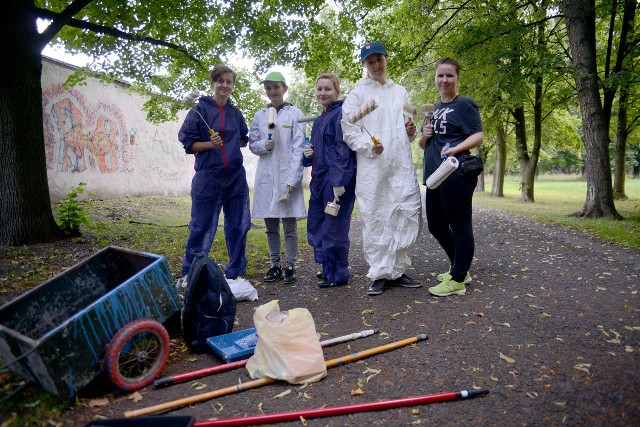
209	305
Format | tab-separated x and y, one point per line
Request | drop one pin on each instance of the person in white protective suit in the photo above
387	189
278	139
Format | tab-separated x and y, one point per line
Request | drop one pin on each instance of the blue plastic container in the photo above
234	346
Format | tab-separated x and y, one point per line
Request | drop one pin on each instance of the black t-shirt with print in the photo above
452	122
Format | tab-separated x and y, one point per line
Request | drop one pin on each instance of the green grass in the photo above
558	197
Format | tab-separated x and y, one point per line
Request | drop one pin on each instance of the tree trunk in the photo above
497	188
527	172
580	18
623	102
25	205
621	146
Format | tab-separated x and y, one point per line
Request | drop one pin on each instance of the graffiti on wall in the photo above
80	137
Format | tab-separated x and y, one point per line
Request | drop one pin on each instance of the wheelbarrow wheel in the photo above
137	353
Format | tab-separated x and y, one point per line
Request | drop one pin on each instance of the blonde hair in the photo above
333	78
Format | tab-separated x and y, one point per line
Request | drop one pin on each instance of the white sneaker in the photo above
182	282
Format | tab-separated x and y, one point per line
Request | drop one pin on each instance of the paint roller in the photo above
409	112
446	168
190	97
361	111
272	117
306	119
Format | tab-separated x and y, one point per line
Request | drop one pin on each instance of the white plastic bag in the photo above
242	289
288	347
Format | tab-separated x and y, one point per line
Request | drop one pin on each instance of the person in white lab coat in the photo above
387	189
276	136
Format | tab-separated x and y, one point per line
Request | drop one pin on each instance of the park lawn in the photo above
558	197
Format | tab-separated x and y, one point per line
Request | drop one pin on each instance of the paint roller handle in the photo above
446	147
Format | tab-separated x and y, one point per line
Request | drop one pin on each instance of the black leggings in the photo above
448	209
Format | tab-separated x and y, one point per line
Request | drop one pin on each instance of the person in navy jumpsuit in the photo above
333	177
214	130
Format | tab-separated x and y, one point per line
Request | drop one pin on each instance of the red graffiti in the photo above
79	138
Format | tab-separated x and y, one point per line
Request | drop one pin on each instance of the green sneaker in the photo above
448	287
443	277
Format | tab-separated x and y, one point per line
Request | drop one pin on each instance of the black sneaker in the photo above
289	274
405	281
377	287
275	272
327	284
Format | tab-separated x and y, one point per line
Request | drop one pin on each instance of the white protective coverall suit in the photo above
387	189
280	167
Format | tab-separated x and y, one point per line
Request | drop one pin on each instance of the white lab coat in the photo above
386	185
280	167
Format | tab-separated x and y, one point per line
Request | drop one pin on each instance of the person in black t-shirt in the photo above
456	122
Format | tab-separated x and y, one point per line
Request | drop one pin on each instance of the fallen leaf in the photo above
198	385
632	328
479	314
415	411
367	311
136	397
357	392
505	324
217	407
545	315
494	378
532	395
260	407
584	367
98	403
507	358
283	394
628	349
372	371
193	359
561	404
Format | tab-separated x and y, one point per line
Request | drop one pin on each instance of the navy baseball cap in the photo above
371	48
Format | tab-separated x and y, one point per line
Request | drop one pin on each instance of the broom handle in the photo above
341	410
263	381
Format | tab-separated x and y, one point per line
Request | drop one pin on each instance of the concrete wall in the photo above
97	133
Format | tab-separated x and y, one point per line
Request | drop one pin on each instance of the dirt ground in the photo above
550	326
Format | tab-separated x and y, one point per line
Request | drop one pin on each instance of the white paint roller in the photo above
272	117
306	119
362	111
446	168
191	97
409	112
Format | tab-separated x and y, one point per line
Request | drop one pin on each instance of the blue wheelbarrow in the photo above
104	313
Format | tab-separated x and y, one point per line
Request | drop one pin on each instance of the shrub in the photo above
71	212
